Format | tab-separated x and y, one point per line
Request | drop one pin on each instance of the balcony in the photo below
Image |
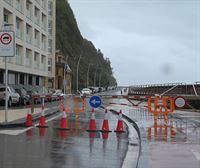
44	26
43	46
27	62
28	39
43	67
44	5
10	2
37	21
19	34
36	65
29	14
36	43
19	7
18	60
38	1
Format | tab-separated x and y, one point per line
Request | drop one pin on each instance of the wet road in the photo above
49	147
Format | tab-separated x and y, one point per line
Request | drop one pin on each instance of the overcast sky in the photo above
147	41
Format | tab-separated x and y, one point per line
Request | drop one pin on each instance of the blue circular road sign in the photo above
95	101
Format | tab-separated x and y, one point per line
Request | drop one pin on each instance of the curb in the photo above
19	123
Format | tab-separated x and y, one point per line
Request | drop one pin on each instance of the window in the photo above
21	79
50	46
5	18
30	80
37	79
1	76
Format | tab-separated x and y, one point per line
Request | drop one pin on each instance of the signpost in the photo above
95	101
7	49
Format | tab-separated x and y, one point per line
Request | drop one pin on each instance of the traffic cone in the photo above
42	120
92	125
120	127
105	126
61	103
63	122
29	119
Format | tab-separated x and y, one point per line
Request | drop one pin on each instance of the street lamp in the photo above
95	74
88	71
77	72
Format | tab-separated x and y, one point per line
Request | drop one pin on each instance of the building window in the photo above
11	79
37	81
49	64
5	18
30	80
1	76
50	46
21	79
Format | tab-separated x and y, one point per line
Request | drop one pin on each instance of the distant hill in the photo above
70	41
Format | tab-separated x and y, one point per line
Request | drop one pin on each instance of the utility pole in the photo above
77	72
88	71
95	74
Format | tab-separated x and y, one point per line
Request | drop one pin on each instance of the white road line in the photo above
17	132
196	154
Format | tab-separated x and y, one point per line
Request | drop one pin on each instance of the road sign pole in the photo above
6	91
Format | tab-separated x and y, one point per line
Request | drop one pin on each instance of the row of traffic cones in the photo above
63	122
105	126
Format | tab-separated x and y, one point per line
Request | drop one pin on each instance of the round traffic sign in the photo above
6	38
95	101
180	102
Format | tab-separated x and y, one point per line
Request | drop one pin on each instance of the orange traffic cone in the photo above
105	126
120	127
42	120
63	122
61	103
92	125
29	119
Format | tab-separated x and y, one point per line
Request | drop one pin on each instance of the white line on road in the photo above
196	154
17	132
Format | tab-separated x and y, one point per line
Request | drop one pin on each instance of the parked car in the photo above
13	96
24	97
56	94
86	91
35	96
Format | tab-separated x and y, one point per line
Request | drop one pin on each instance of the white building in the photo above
34	56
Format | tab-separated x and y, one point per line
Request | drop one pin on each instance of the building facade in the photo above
29	19
63	71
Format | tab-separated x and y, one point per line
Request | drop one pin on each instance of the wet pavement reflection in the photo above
53	148
172	142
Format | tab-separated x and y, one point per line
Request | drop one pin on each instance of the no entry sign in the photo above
179	102
7	43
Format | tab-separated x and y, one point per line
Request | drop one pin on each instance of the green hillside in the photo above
70	41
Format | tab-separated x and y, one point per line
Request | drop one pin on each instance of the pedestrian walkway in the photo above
173	144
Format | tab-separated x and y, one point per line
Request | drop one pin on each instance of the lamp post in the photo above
64	82
100	78
77	72
88	71
95	74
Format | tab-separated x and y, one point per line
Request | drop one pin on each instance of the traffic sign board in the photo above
7	43
179	102
95	101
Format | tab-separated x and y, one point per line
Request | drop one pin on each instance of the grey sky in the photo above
147	41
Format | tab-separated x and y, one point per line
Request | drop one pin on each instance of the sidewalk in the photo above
175	144
18	115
